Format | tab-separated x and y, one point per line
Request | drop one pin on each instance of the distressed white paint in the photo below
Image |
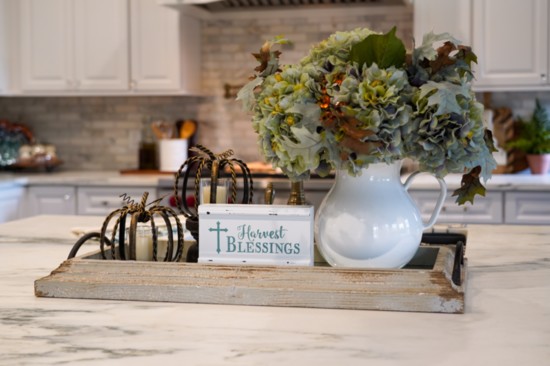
256	234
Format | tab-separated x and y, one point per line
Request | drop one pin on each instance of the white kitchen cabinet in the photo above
510	38
165	49
435	16
486	210
73	45
50	200
6	45
11	199
103	200
155	44
527	208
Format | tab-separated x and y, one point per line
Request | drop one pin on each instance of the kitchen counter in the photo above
113	178
76	178
507	319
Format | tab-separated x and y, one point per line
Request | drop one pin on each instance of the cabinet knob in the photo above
67	197
105	203
543	77
133	85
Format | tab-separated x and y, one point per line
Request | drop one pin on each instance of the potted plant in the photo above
534	140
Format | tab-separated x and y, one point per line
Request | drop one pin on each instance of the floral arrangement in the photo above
358	98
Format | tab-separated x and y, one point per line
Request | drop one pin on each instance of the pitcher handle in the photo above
440	200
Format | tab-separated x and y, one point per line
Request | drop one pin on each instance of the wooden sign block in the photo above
256	234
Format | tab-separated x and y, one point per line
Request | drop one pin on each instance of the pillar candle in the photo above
144	243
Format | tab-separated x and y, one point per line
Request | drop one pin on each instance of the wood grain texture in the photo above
419	290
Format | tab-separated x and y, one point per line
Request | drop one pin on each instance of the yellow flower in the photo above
375	83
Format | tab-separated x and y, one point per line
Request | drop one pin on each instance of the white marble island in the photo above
507	318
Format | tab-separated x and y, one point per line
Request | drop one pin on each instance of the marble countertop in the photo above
507	319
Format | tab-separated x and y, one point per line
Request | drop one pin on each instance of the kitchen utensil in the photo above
187	129
163	129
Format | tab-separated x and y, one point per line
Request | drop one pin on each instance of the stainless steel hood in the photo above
217	6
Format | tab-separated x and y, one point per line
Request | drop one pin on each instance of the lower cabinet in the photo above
11	199
101	201
486	210
50	200
497	207
527	207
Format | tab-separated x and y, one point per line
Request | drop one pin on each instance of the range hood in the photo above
218	6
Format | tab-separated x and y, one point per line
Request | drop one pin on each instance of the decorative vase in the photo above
539	164
370	221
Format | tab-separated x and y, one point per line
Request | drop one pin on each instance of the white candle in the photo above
162	248
221	195
221	190
144	243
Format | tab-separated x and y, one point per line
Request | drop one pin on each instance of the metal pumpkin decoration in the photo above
138	213
206	164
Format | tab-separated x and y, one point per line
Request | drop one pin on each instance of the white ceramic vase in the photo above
370	221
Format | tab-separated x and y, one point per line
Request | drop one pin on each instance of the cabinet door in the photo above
7	37
155	46
45	45
486	210
101	44
103	200
51	200
510	38
433	16
10	203
527	208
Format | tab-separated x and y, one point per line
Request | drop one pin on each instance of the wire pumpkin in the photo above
138	213
209	165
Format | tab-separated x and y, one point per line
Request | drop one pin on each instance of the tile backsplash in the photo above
95	133
103	133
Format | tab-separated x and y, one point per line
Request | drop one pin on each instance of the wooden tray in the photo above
424	285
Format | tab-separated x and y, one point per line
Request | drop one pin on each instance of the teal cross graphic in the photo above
218	230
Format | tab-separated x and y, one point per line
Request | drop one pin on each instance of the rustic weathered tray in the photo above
434	281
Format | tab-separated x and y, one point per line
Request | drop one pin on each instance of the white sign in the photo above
256	234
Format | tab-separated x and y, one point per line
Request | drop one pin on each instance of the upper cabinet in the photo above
434	16
164	48
7	46
511	40
99	47
69	45
155	41
509	37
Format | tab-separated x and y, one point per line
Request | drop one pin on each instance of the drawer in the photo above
486	210
527	208
103	200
